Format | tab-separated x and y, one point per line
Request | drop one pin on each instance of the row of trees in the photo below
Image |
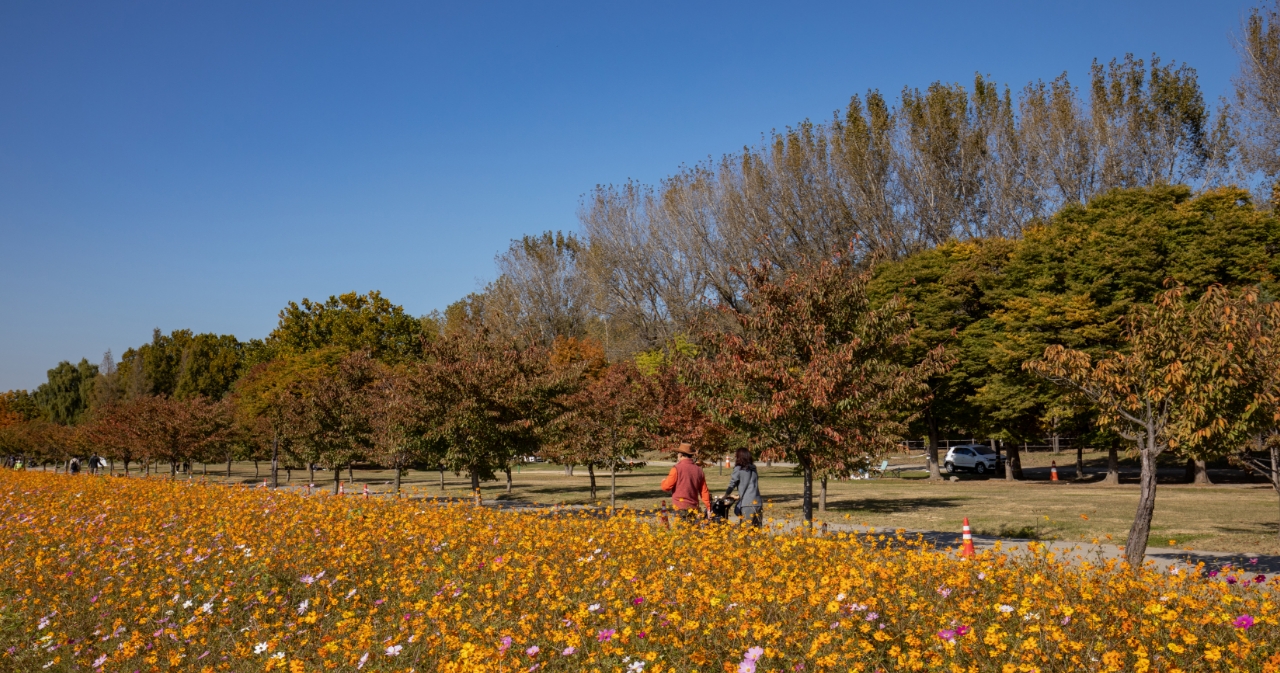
907	268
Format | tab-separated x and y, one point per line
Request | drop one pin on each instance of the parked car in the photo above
977	458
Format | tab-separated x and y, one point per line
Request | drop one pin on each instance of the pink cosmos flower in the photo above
506	644
568	651
533	650
1243	622
961	630
605	635
749	659
947	635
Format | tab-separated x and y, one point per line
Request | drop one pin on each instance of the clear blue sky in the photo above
199	164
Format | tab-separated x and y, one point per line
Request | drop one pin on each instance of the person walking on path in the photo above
747	481
687	484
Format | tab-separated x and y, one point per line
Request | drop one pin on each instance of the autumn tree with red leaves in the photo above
608	423
483	397
810	371
1196	377
174	431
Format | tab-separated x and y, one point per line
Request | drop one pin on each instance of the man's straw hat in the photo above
686	449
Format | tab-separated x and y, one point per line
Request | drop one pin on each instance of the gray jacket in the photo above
747	481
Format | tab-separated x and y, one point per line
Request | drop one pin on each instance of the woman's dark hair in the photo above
743	459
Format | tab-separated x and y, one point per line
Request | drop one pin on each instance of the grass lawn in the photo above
1234	517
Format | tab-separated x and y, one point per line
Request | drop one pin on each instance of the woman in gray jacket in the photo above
747	482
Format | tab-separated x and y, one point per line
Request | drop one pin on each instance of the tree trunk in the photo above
1014	466
475	487
228	468
1079	460
288	474
591	471
1135	549
508	471
807	502
311	473
255	470
351	474
1008	461
337	478
1275	473
1189	471
126	467
1113	466
397	480
931	453
613	485
1202	474
275	459
1057	449
442	479
822	494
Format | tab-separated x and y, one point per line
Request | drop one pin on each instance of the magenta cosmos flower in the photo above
1243	622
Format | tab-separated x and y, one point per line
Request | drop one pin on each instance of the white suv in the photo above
976	457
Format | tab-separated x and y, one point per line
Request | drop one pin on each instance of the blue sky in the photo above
199	164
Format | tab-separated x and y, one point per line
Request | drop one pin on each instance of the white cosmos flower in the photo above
259	648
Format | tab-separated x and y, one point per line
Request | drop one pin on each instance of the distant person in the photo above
75	466
747	481
687	484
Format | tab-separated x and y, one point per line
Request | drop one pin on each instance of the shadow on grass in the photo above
1015	532
881	505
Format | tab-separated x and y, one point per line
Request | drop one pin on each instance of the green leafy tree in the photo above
354	322
209	367
65	397
18	406
1074	280
948	290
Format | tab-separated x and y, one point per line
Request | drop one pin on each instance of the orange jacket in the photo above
687	484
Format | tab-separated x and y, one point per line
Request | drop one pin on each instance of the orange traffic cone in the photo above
1053	470
309	488
366	490
341	489
663	515
264	483
966	549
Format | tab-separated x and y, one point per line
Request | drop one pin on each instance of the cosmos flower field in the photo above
114	574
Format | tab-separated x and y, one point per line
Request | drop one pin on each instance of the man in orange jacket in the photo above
687	484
